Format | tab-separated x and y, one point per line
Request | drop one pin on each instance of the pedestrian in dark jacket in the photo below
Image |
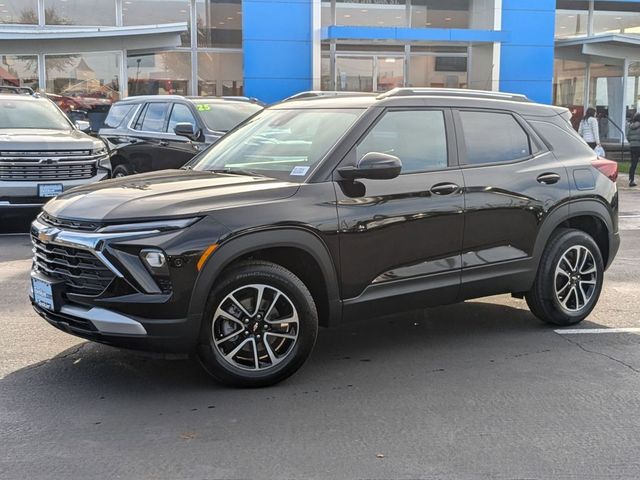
633	137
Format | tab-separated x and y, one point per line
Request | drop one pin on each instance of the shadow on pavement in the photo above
419	338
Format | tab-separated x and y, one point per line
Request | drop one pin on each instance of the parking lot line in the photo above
576	331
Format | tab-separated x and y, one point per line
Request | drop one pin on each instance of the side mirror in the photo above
83	126
186	130
374	166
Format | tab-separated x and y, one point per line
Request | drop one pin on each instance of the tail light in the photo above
606	167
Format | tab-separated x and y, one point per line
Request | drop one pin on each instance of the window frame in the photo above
536	146
143	113
350	159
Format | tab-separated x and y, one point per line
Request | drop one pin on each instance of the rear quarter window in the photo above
563	142
117	114
493	137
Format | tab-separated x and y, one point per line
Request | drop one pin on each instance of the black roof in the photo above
430	97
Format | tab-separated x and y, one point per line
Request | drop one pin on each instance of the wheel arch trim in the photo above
573	209
246	243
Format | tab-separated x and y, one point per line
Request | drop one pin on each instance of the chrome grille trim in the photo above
45	153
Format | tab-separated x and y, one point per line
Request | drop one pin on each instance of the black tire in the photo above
294	295
548	299
122	170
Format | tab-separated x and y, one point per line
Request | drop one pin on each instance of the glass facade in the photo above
80	12
163	73
19	71
364	68
22	12
410	13
87	82
605	79
207	60
616	17
220	74
156	12
219	23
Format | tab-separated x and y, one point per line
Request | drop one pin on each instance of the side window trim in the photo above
139	117
462	146
452	151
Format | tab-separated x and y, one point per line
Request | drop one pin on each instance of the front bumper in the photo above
17	195
112	328
124	311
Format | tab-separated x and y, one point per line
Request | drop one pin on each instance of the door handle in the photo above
444	188
164	143
548	178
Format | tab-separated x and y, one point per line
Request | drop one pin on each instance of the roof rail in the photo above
324	94
453	92
19	90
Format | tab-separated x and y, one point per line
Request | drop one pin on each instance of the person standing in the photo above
633	137
589	128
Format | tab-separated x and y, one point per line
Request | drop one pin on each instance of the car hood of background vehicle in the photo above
44	140
165	194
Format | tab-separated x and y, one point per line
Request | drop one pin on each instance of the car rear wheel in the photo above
569	279
260	326
122	170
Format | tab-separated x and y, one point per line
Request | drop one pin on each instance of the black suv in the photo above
157	132
320	211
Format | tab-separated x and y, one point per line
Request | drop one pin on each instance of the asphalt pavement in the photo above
478	390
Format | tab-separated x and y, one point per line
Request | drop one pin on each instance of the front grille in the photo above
81	271
69	224
28	171
45	153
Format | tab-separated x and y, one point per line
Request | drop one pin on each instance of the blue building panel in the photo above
277	44
526	58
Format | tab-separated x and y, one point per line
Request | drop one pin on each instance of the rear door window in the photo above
152	119
493	137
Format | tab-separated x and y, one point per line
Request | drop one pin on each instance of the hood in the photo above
45	140
165	194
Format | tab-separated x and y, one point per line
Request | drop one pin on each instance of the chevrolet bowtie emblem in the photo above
47	234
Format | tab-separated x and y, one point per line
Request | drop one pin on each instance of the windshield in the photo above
285	144
221	116
40	114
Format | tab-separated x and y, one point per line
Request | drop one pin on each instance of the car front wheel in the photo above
260	326
569	279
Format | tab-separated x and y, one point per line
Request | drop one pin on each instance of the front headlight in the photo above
159	226
101	153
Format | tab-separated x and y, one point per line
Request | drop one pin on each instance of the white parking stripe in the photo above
575	331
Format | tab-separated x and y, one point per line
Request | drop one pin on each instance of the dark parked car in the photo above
158	132
42	153
317	212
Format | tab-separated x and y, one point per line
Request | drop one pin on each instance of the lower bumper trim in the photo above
106	321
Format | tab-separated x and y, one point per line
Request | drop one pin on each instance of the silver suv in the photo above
42	153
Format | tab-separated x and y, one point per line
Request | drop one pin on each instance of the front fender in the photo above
238	246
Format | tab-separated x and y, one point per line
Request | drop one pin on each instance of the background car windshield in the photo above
285	144
40	114
220	116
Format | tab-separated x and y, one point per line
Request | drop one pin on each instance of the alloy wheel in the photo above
255	327
576	278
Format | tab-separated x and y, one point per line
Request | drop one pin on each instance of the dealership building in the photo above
90	52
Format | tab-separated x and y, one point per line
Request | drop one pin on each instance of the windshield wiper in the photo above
236	171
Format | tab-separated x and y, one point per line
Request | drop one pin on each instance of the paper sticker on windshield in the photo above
299	171
203	107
